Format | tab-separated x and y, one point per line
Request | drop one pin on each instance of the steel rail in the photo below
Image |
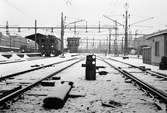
157	74
142	84
21	91
12	62
148	71
29	70
145	85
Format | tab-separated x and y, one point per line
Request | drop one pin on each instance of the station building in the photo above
155	47
73	44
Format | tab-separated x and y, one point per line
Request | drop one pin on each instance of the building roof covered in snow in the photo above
162	32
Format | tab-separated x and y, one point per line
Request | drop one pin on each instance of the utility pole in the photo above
7	33
109	41
138	47
93	41
122	48
116	29
35	36
86	27
100	46
62	35
87	43
75	27
126	30
107	49
115	41
7	28
99	26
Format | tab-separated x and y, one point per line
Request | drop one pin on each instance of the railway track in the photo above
135	75
156	79
147	70
36	67
28	79
95	95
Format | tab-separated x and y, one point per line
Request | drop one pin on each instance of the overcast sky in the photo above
48	12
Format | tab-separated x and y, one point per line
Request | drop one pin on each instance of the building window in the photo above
156	48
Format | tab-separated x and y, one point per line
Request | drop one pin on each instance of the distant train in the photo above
47	44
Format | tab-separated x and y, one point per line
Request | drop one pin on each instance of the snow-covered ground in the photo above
6	69
110	88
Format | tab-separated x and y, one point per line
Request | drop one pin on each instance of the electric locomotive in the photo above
48	45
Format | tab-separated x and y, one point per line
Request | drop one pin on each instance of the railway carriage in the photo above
14	43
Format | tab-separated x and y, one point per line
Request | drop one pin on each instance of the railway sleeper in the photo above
48	83
158	75
7	104
128	80
134	83
5	101
145	87
157	94
8	90
56	78
139	86
148	93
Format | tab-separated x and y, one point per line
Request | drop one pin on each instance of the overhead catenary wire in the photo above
140	21
10	4
13	6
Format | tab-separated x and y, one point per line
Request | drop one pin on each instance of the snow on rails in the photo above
109	92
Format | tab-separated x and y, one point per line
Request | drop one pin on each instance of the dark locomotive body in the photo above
48	45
